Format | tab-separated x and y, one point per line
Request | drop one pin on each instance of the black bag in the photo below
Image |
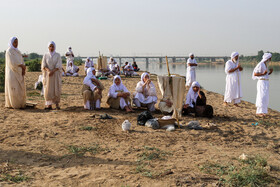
143	117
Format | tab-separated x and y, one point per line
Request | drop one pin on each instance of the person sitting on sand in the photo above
135	67
119	96
146	94
233	92
72	70
128	70
261	73
111	67
125	64
92	90
88	64
196	102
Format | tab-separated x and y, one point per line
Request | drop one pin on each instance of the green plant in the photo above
81	151
2	77
86	128
33	65
152	153
17	178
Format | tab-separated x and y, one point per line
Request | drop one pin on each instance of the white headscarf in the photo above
10	44
70	49
120	86
233	55
191	54
88	58
52	42
266	56
143	76
89	76
192	95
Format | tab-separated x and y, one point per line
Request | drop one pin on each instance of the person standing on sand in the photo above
260	72
146	94
52	75
233	92
191	75
15	91
119	96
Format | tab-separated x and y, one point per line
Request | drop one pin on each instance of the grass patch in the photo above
267	123
249	172
17	178
33	94
148	154
81	151
2	77
87	128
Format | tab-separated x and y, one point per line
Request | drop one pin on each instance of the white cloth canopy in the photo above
233	91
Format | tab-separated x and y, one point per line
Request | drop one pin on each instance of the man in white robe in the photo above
191	74
128	70
52	77
88	64
15	91
69	56
261	73
72	70
233	92
111	67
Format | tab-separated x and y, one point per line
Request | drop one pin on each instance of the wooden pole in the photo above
169	75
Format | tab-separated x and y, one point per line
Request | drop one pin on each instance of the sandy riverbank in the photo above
37	142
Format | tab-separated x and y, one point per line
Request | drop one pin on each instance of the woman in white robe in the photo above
146	94
233	91
88	64
52	77
191	74
72	70
92	90
261	73
15	91
119	96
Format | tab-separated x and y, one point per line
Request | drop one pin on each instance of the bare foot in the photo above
260	115
225	104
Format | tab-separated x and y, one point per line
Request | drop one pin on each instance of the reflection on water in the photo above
212	77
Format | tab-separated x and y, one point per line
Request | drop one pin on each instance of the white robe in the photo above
52	84
115	89
191	74
262	99
149	95
233	91
72	70
88	65
15	91
69	58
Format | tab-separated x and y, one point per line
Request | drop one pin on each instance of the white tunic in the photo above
233	85
191	75
149	95
88	64
262	99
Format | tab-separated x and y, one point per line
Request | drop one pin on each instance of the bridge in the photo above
171	59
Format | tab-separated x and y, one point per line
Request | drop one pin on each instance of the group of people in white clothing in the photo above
71	69
233	91
119	97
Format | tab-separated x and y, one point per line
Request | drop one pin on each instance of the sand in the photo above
36	142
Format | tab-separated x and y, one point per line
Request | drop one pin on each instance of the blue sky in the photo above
143	27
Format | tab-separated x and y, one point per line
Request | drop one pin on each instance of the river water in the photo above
212	77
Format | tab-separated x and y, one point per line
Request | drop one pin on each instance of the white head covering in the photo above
52	42
88	58
192	95
89	75
10	44
191	54
115	77
233	55
266	56
143	76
